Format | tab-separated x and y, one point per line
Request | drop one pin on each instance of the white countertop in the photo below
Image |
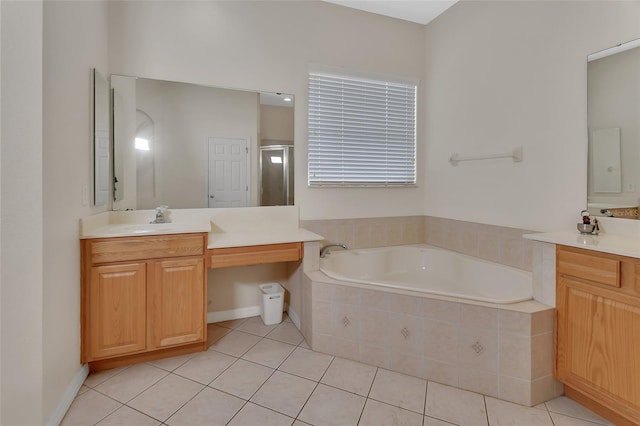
624	245
256	238
139	229
230	227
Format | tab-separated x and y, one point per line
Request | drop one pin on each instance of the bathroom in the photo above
493	75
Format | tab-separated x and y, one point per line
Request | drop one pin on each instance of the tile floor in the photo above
261	375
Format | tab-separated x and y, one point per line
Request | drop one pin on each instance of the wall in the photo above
269	46
276	125
506	74
21	227
74	42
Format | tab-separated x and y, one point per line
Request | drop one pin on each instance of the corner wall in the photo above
21	227
506	74
75	40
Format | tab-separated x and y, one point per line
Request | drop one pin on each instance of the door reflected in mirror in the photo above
613	97
191	146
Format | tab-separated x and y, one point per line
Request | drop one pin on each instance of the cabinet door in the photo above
598	338
176	297
117	310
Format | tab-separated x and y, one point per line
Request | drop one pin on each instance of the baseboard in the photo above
231	314
68	397
294	318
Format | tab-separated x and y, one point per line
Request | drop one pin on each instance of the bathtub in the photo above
433	314
430	270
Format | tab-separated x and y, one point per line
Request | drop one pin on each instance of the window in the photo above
362	132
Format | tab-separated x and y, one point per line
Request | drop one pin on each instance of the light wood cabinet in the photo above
117	297
143	298
598	331
255	255
177	301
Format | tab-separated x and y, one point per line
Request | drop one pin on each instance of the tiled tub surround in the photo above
489	242
505	351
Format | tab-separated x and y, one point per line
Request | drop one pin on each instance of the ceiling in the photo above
419	11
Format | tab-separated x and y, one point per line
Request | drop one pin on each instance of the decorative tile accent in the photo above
405	333
477	346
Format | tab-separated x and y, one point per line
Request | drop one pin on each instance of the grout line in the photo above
426	392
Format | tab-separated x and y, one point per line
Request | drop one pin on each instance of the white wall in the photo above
74	42
505	74
268	46
276	125
21	226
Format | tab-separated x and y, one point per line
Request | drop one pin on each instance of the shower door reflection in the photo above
276	174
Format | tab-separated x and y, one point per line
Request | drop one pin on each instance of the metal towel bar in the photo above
515	154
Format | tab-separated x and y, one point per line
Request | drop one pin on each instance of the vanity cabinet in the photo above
142	298
598	331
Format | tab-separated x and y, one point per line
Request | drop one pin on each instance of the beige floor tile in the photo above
236	343
166	397
215	333
205	366
568	407
376	413
305	363
286	332
126	416
94	379
89	408
255	326
83	389
209	407
430	421
231	323
132	381
252	414
172	363
350	375
399	390
455	405
299	423
562	420
269	353
284	393
507	413
242	379
332	407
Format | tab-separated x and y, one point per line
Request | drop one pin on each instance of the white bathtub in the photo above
430	270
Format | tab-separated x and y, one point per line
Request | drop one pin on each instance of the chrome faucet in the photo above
324	251
162	215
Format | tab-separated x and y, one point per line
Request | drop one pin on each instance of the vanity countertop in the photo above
230	227
257	238
139	229
623	245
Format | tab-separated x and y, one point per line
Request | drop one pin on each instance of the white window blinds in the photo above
361	131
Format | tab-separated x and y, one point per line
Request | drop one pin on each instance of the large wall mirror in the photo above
192	146
613	181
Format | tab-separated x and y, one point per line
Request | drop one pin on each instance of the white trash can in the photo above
272	303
